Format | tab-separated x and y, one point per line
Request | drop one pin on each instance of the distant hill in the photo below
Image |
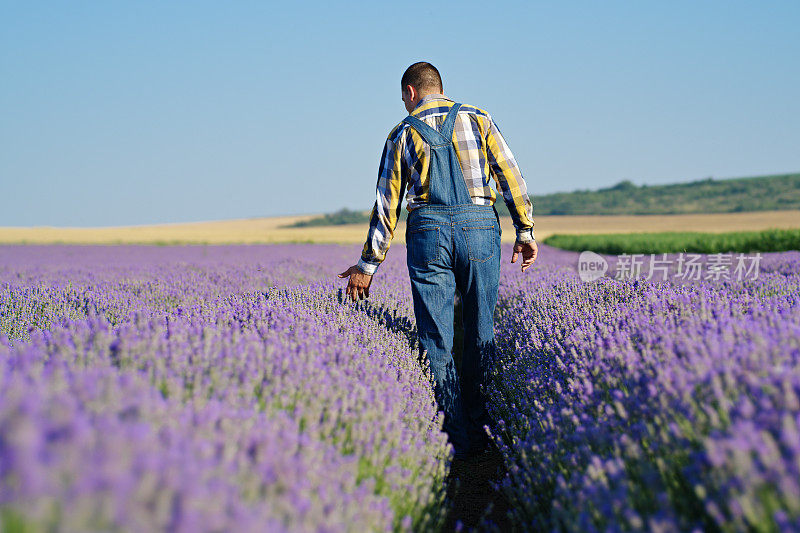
765	193
762	193
339	218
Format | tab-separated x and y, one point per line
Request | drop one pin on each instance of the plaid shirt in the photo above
482	152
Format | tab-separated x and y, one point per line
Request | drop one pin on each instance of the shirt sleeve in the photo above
506	173
386	210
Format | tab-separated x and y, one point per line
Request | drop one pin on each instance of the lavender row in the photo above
189	394
43	284
651	405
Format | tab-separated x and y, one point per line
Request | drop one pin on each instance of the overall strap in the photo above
431	136
428	133
449	122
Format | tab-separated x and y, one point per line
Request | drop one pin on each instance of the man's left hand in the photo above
529	251
358	286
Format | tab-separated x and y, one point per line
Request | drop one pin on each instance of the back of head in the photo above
423	77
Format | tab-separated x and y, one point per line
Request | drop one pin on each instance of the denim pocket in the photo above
423	245
481	242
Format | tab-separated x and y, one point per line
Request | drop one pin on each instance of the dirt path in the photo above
471	499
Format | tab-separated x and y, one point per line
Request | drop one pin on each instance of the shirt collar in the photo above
428	97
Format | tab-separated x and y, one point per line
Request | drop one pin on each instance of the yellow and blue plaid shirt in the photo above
482	152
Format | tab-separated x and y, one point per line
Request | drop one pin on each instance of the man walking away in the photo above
444	153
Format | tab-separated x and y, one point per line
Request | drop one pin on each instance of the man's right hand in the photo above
529	251
358	284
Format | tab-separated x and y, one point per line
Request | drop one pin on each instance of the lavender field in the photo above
233	388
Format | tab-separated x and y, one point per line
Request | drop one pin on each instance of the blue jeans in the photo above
456	247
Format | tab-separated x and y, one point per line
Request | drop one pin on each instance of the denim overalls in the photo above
453	243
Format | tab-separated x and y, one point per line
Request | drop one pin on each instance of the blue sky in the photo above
145	112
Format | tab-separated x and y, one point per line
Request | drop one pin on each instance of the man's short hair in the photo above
423	77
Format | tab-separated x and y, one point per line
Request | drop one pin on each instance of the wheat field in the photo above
273	230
